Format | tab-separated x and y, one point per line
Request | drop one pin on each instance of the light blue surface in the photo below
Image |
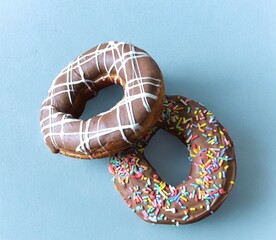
222	53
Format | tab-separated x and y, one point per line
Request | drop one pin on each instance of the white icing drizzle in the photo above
53	124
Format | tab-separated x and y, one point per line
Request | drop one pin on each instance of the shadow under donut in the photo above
169	156
105	99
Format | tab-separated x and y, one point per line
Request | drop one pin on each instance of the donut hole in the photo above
169	156
105	99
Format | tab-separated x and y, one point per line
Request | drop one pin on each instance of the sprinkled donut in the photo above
116	129
212	174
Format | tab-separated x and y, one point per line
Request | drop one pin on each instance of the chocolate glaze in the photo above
114	130
212	174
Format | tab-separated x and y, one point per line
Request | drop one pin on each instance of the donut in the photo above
116	129
212	173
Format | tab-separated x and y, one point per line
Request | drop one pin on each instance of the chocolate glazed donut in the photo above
212	174
116	129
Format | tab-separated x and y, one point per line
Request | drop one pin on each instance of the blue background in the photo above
222	53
